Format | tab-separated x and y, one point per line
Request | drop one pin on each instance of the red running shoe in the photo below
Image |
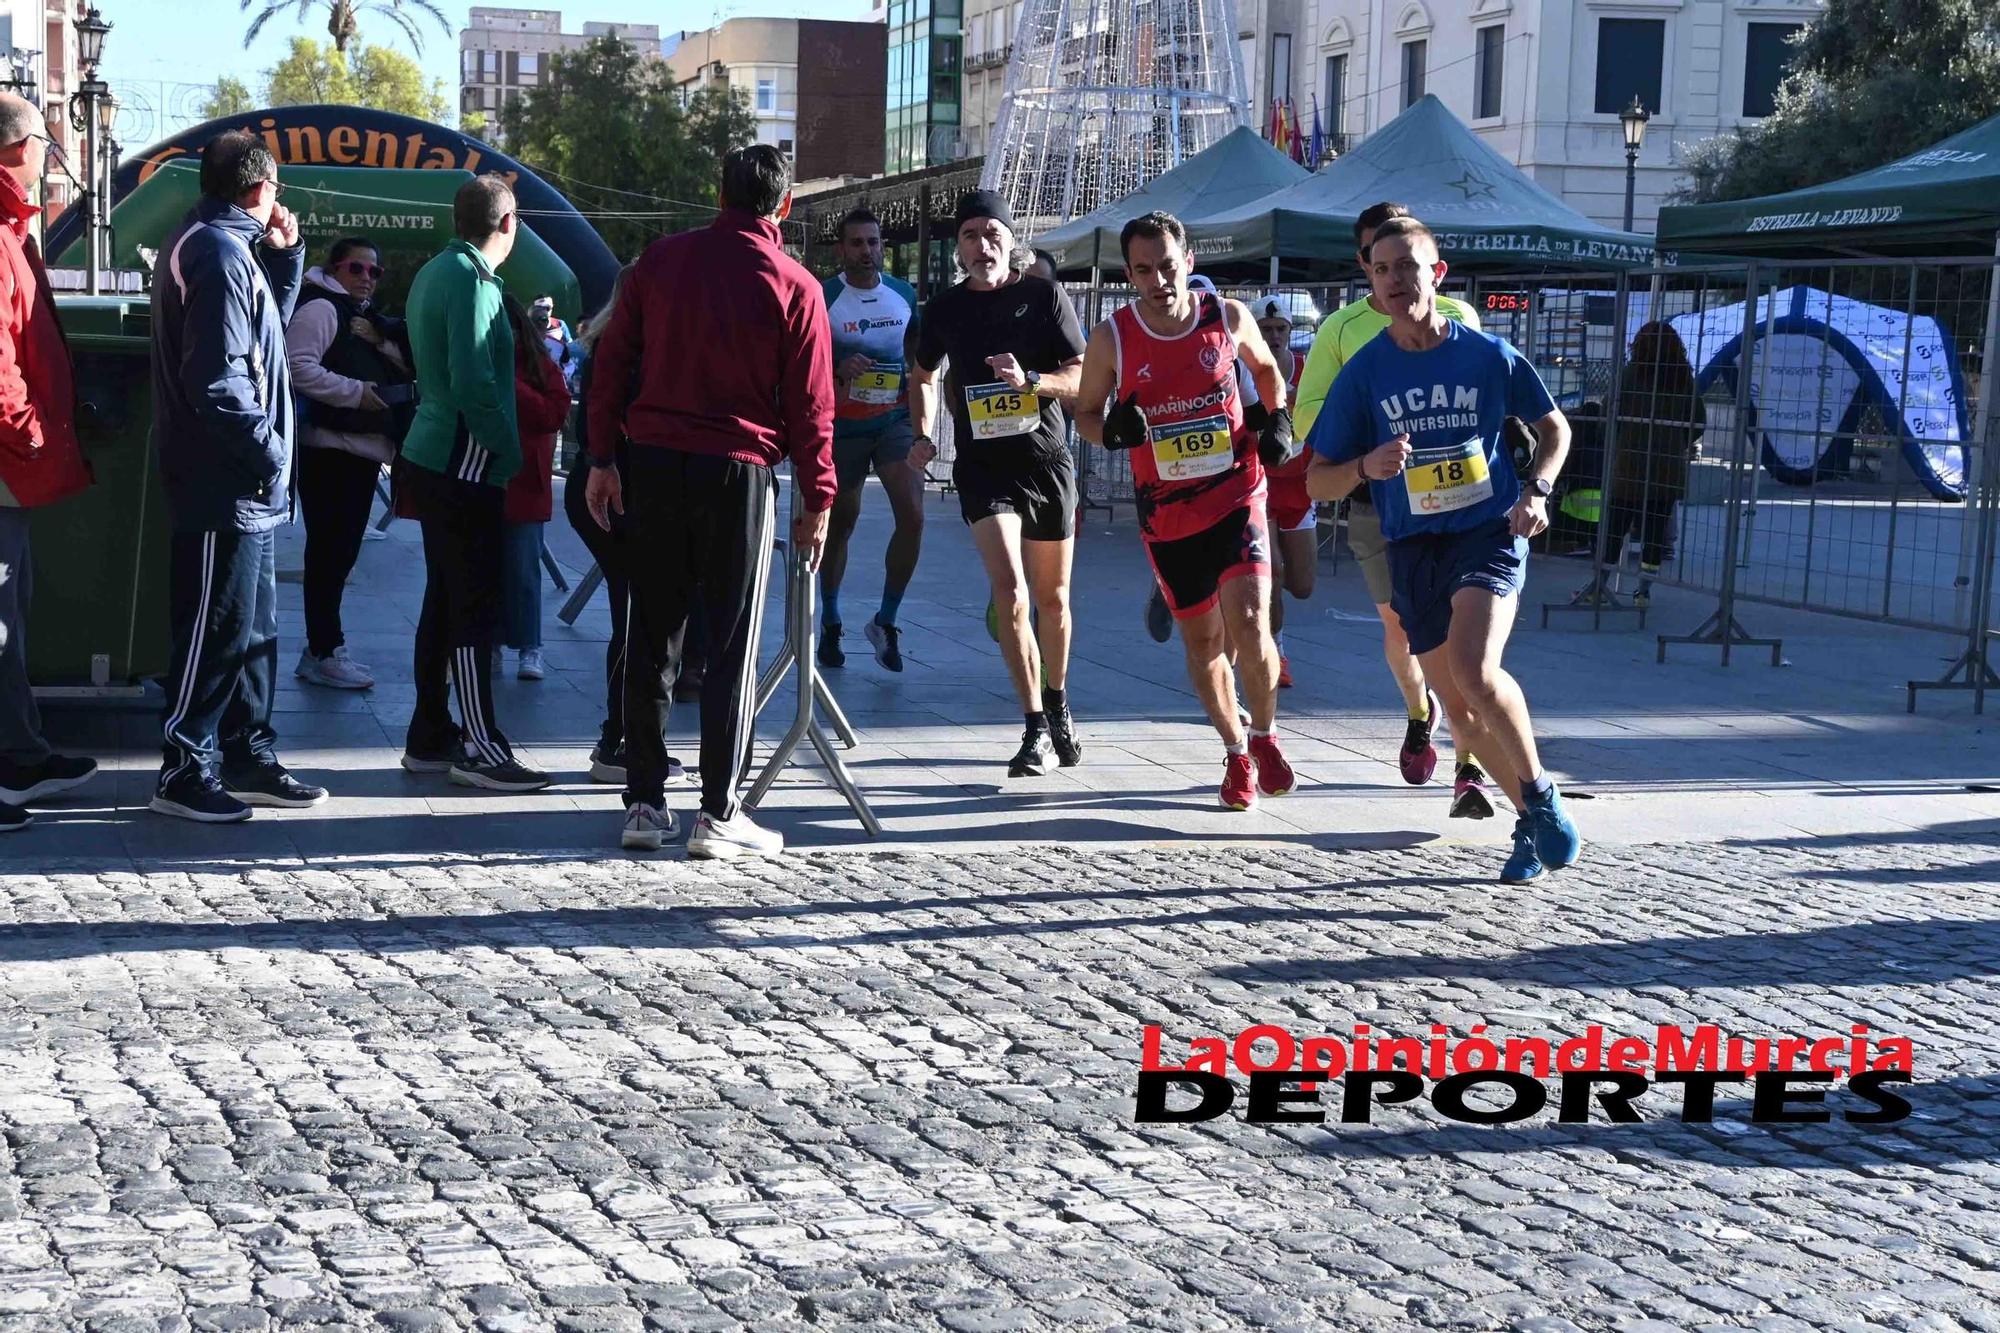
1274	775
1239	785
1284	672
1419	758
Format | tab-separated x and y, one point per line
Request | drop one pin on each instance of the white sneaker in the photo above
647	828
726	839
336	671
532	667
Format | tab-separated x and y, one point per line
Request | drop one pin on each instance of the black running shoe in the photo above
200	797
507	775
887	642
830	652
1062	736
438	759
270	784
1033	759
13	818
56	773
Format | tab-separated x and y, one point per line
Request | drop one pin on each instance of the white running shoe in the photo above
532	667
726	839
336	671
647	828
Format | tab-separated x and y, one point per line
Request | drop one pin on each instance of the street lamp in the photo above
1633	121
91	111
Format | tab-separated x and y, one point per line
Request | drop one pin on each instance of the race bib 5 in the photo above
881	386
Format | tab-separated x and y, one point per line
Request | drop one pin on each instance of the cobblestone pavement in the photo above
895	1091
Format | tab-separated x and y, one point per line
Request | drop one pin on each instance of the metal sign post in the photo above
801	638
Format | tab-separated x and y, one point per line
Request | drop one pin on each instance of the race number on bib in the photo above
881	386
997	411
1183	450
1452	477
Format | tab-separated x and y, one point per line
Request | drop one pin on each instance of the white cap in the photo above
1200	282
1270	307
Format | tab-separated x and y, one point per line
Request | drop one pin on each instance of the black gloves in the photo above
1275	445
1125	425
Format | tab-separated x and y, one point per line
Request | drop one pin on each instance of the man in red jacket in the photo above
40	460
717	364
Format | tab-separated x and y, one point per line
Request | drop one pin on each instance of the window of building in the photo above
1246	48
1630	57
531	65
785	147
1767	58
767	94
1281	66
1336	97
1416	55
1490	47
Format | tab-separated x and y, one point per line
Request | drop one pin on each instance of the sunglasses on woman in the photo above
355	268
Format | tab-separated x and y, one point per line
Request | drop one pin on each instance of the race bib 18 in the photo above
997	411
1183	450
1450	477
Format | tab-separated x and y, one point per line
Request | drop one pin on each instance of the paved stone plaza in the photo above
431	1059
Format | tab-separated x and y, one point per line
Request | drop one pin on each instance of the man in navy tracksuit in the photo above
223	426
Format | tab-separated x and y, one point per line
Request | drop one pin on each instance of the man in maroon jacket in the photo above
717	364
40	460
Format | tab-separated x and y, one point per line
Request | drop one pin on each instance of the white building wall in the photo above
1548	124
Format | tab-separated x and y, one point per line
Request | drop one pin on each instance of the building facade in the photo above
503	52
824	111
923	121
38	58
1542	81
990	26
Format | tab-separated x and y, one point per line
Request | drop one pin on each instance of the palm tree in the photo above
340	17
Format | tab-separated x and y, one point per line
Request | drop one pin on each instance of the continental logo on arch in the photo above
333	144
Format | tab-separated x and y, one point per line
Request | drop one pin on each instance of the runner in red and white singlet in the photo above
1160	381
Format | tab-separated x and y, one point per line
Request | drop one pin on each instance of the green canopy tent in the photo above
407	213
1236	169
1944	200
1485	211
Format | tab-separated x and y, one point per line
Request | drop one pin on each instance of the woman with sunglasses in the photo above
352	372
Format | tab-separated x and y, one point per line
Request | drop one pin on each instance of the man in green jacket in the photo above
456	461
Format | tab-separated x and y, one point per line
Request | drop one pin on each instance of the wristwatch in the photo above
1541	486
1034	378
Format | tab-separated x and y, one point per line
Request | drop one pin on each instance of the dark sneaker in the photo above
1419	758
507	775
1159	616
608	766
830	653
1062	737
201	798
441	760
1524	863
886	641
13	818
1032	761
270	784
1468	794
22	783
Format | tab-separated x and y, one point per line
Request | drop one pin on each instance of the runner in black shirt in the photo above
1015	352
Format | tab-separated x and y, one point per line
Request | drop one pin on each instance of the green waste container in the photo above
100	558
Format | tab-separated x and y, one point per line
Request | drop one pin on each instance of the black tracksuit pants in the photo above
462	523
336	491
700	531
222	596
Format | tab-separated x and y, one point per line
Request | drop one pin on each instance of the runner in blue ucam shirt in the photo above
874	318
1420	414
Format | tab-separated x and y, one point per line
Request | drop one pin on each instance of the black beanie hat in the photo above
982	204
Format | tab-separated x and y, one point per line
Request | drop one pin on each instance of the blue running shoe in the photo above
1524	864
1556	840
